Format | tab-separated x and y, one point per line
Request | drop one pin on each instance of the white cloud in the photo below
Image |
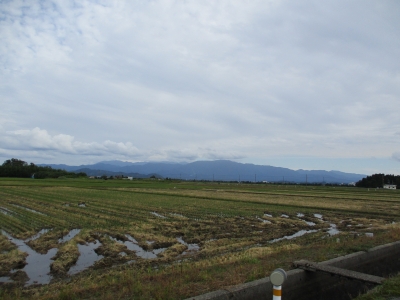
187	80
40	140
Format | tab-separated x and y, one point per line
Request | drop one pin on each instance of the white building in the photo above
389	186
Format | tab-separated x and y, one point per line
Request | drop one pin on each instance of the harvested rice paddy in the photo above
156	239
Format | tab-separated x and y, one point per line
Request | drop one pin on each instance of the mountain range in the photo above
223	170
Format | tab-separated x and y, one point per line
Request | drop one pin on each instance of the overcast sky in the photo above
300	84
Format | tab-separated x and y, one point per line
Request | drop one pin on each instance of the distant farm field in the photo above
159	239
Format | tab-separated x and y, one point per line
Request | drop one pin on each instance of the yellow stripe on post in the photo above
277	293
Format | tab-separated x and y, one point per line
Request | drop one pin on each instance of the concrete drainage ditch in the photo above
381	261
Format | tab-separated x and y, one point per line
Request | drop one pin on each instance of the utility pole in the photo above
255	178
306	179
383	180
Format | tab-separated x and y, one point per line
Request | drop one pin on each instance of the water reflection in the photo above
69	236
132	245
158	215
86	258
37	235
37	266
289	237
191	247
333	230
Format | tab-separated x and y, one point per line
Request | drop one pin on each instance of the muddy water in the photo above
333	230
263	220
37	266
158	215
87	257
132	245
191	247
289	237
37	235
5	279
69	236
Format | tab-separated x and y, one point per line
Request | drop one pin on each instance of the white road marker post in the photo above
277	278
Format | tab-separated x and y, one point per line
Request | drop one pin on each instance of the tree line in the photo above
378	180
18	168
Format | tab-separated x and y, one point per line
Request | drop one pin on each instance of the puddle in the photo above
132	245
37	235
333	230
289	237
86	258
300	215
268	215
158	215
82	205
37	266
5	279
284	216
132	239
309	223
69	236
319	216
159	250
191	247
369	234
29	209
263	220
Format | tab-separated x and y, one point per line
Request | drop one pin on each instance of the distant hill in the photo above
224	170
91	172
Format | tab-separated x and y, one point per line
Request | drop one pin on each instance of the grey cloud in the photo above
194	80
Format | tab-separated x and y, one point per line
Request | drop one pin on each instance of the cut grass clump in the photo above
66	257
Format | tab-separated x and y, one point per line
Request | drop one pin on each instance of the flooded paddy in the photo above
37	266
37	235
133	245
69	236
189	232
87	257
